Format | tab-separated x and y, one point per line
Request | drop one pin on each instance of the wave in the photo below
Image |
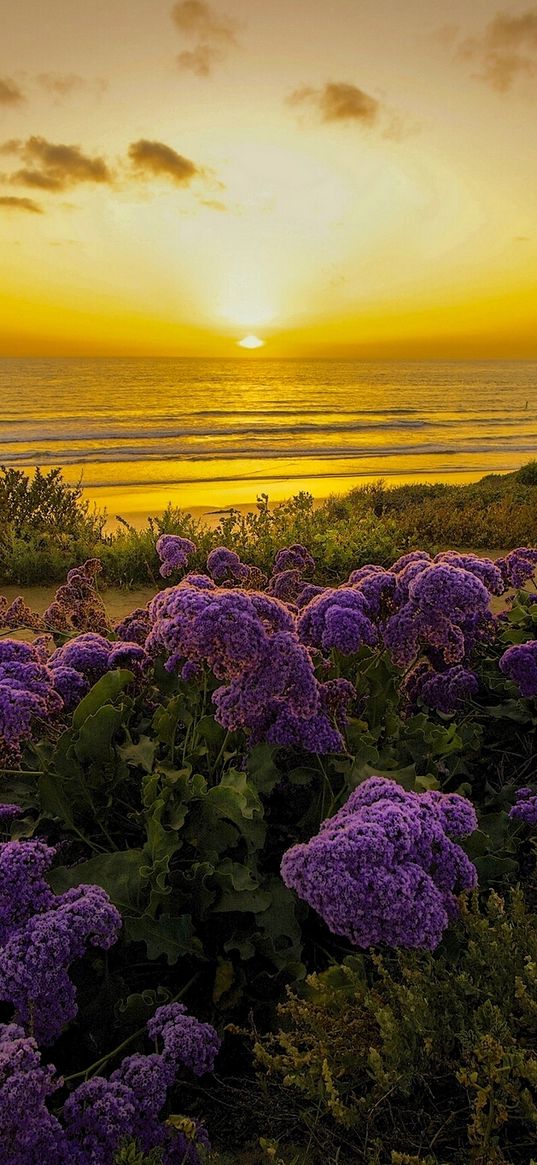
119	454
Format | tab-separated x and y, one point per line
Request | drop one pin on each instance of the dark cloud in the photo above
55	167
213	34
10	94
27	204
338	101
158	159
506	51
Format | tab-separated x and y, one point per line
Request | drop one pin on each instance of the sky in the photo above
341	178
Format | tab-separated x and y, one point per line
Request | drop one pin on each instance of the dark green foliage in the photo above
450	1038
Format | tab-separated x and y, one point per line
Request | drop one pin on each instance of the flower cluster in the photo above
518	566
442	608
384	869
174	553
525	807
83	660
18	614
77	605
249	641
446	691
101	1114
295	557
42	934
337	619
519	663
27	692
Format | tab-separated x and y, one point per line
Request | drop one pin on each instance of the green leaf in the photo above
117	873
104	691
169	936
263	773
95	739
140	755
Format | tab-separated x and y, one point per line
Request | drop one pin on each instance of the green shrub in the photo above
417	1053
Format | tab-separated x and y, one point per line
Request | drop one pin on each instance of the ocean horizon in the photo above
206	434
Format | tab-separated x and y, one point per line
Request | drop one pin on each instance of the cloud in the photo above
48	166
213	34
338	101
27	204
63	85
506	51
10	94
164	162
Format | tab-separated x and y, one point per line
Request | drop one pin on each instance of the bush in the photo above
451	1037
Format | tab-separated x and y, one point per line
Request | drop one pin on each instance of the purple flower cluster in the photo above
249	641
337	619
174	553
83	660
77	605
525	807
225	566
101	1114
446	691
18	614
518	566
519	663
294	557
27	692
384	869
42	934
442	608
135	627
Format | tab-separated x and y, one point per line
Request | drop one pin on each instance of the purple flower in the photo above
29	1134
134	628
377	587
484	569
71	685
286	585
185	1040
92	656
41	934
8	813
173	552
308	593
295	557
384	869
525	807
26	690
315	734
518	566
77	604
519	663
337	619
225	564
444	690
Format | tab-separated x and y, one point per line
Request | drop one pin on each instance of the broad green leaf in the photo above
104	691
169	936
140	755
117	873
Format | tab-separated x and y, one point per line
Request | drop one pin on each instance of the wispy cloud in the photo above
63	85
10	94
9	203
338	101
54	167
211	33
506	51
156	158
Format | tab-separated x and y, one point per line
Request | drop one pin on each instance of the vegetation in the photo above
161	772
47	527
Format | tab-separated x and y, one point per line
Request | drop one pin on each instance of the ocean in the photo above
207	434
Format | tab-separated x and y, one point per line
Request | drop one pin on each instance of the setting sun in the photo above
251	342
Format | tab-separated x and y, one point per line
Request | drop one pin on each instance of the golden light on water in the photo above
251	342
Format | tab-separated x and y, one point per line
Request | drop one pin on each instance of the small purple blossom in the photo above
445	690
384	869
185	1040
525	807
294	557
174	553
518	566
27	691
224	564
519	663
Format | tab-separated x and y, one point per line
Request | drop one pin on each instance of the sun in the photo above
251	342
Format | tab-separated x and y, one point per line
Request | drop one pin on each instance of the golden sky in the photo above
338	177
